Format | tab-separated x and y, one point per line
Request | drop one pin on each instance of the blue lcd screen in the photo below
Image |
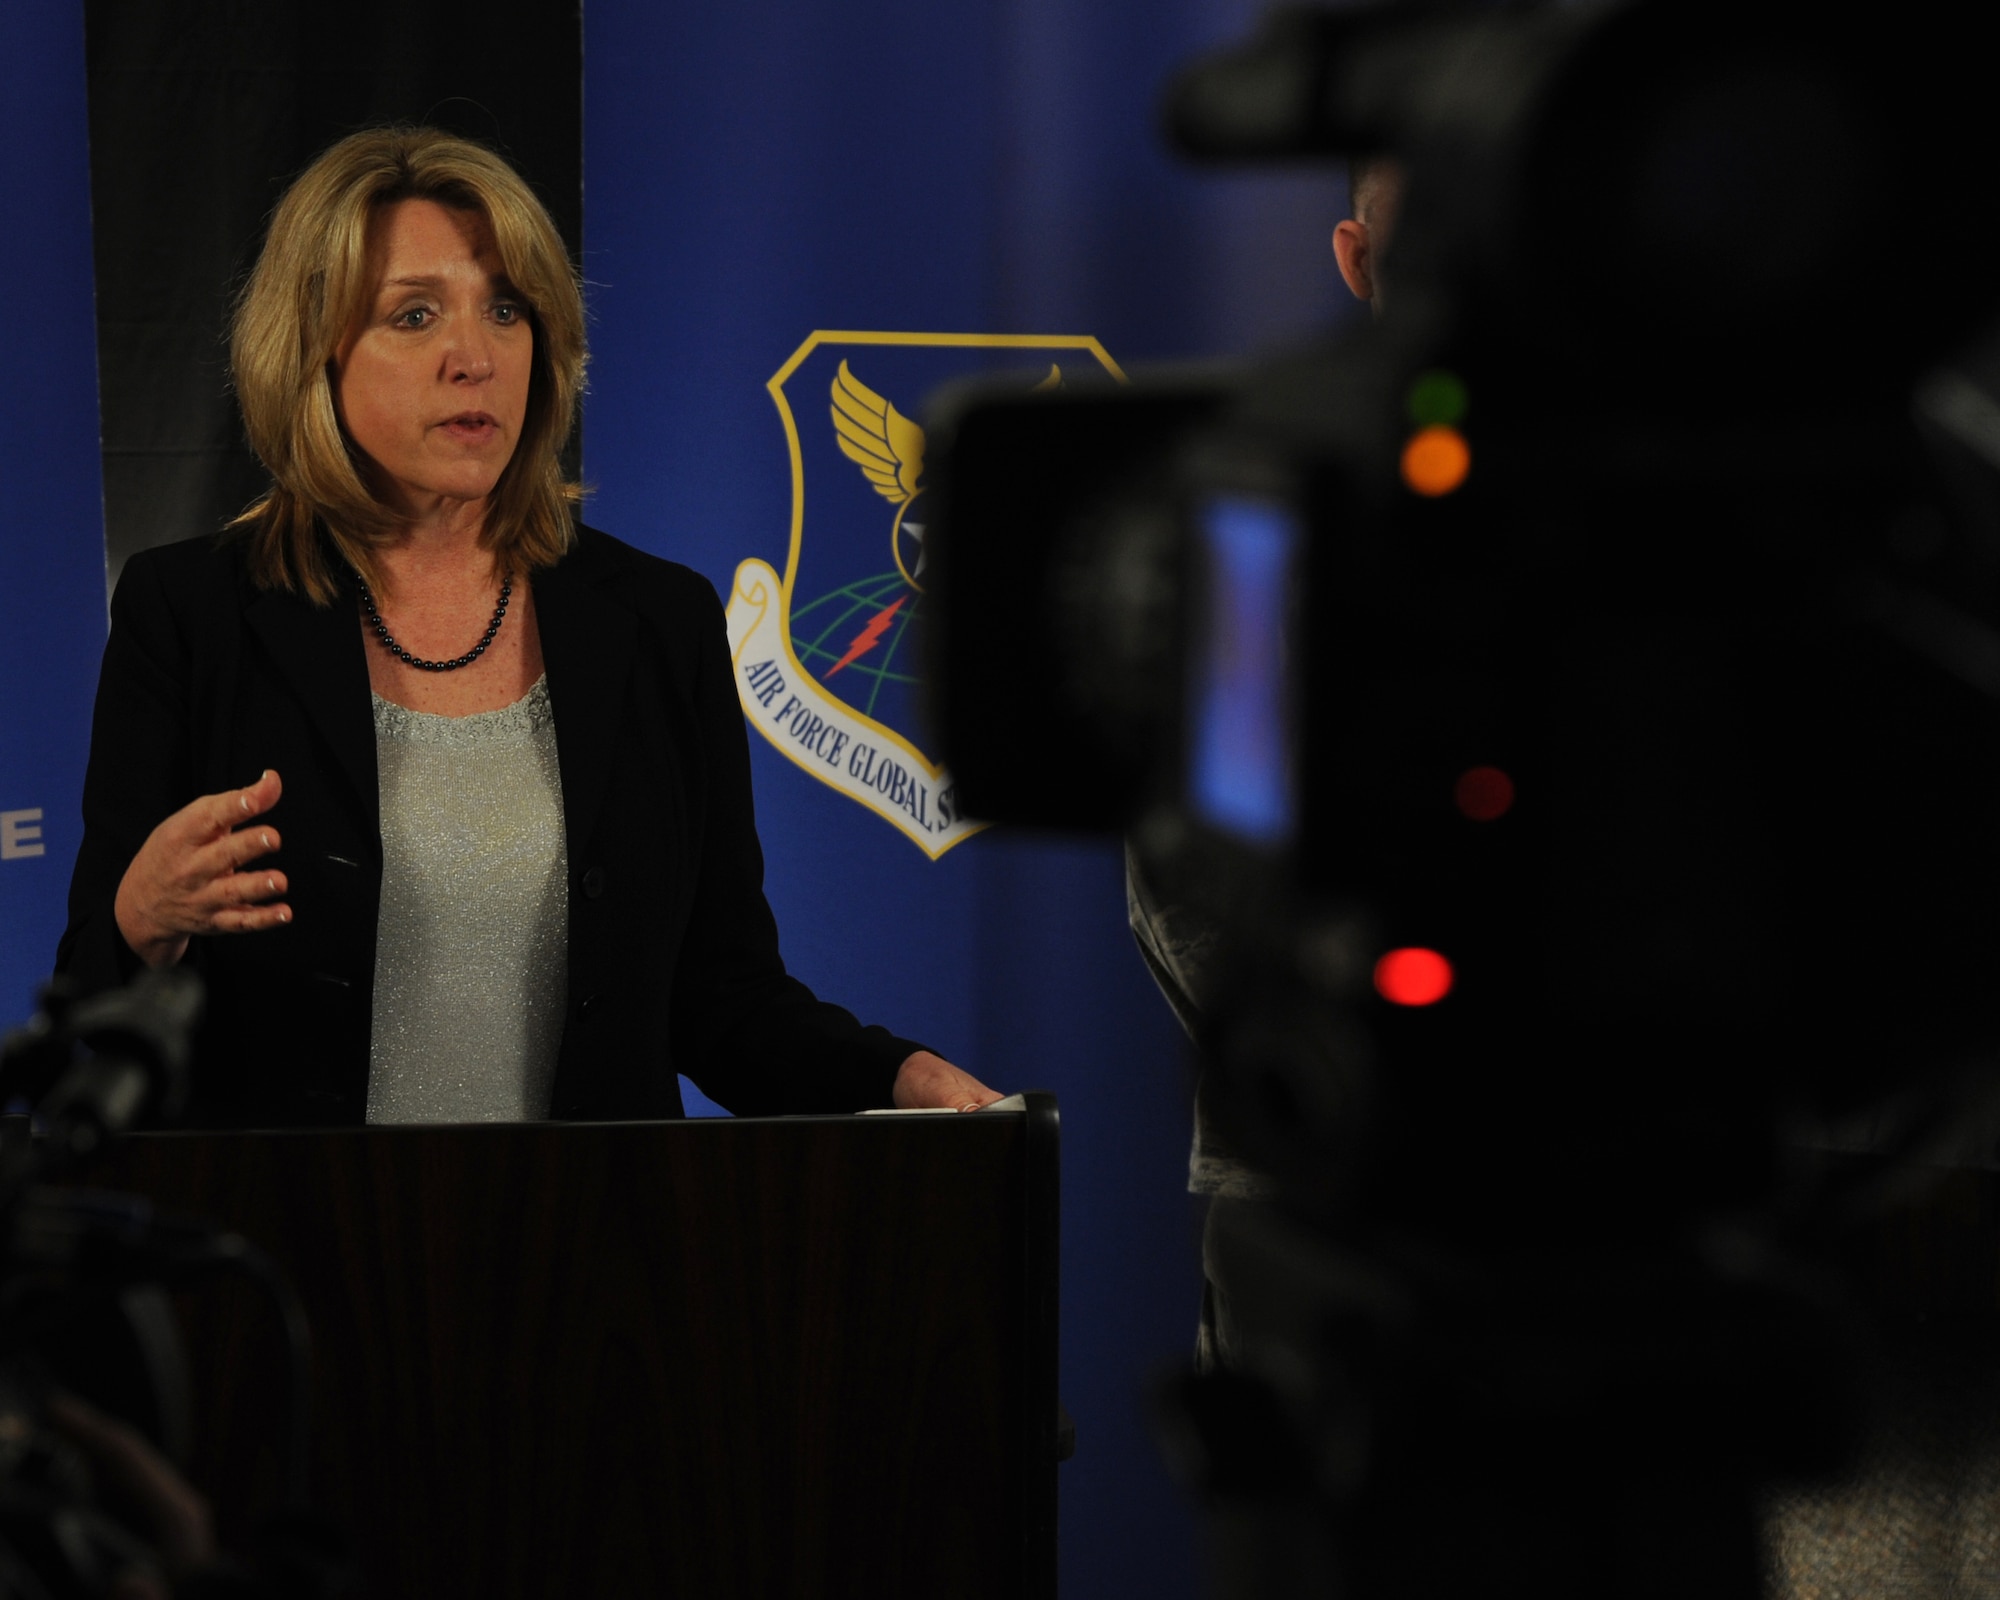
1240	744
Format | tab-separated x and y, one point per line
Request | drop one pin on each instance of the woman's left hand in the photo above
926	1081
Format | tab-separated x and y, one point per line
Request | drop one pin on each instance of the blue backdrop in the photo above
52	602
755	173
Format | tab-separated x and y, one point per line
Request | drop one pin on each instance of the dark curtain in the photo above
200	112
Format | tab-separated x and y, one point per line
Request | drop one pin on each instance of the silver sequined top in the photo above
471	948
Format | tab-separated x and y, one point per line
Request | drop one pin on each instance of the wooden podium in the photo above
792	1357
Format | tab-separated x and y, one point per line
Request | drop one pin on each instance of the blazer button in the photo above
588	1009
593	883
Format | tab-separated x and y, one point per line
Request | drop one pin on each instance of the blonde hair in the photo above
310	289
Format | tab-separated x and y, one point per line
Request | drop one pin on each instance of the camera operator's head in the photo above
1375	188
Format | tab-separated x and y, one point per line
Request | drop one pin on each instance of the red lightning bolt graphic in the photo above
869	636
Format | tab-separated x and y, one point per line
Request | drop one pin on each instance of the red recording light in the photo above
1484	793
1413	977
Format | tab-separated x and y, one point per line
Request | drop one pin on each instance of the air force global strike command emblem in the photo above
826	656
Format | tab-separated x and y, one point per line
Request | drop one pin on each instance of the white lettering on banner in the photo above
21	835
860	758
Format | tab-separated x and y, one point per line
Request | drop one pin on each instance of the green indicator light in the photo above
1437	399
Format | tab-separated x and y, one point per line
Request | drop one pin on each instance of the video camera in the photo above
1571	700
1634	515
84	1317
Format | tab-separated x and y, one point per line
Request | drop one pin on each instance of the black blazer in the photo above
673	952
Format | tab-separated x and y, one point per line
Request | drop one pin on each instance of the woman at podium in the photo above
446	795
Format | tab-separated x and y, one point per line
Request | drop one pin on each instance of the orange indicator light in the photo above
1484	794
1413	977
1436	460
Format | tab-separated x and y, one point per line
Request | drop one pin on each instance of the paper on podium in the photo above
1013	1102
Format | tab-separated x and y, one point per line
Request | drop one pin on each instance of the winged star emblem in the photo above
825	653
889	449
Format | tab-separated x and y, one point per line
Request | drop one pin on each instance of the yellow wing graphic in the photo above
886	445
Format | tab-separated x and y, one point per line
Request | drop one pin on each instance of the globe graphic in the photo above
878	682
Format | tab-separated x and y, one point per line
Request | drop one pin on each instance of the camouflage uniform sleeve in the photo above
1178	946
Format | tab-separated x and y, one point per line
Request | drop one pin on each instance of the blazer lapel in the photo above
588	647
320	652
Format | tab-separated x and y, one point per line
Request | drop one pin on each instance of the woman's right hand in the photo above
188	876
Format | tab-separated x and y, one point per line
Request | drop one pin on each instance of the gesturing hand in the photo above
930	1080
188	876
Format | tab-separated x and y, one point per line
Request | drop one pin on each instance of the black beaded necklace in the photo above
382	631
